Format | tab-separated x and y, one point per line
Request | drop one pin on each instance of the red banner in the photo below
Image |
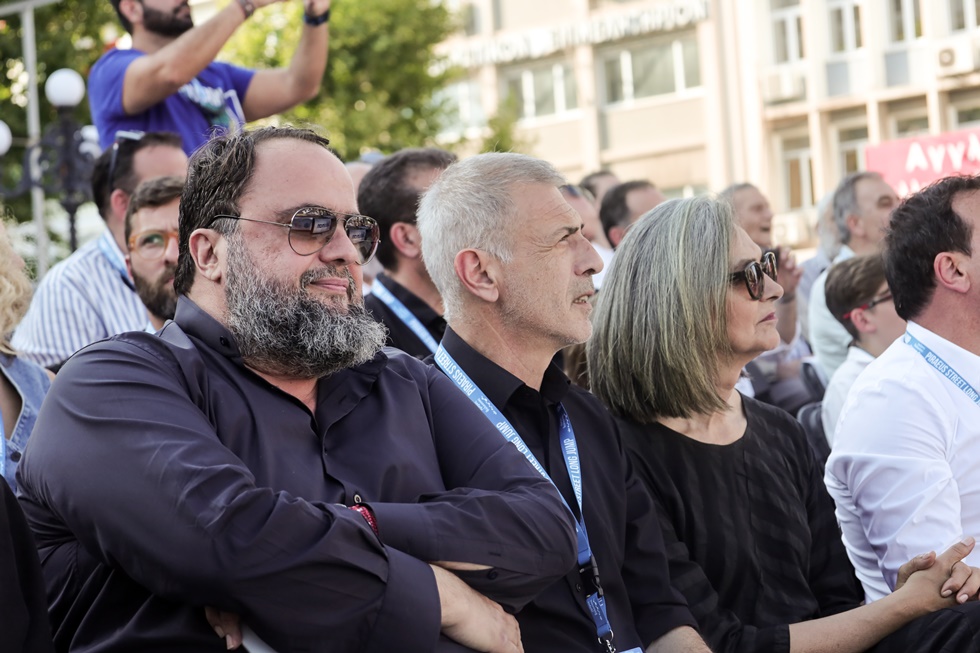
910	164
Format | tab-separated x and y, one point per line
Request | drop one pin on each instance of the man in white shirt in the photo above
858	296
863	204
905	469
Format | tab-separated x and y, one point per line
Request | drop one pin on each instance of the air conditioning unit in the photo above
783	85
957	57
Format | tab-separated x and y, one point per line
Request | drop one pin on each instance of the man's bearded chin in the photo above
286	331
164	23
159	298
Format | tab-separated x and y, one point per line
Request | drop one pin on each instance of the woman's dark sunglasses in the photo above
312	227
755	274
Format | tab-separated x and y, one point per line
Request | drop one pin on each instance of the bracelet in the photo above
365	512
316	21
247	7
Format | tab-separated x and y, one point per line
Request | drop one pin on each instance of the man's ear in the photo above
129	266
119	201
132	10
208	250
406	239
951	271
855	226
478	271
863	321
616	235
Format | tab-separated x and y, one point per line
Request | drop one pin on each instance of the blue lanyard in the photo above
405	315
111	256
569	450
942	367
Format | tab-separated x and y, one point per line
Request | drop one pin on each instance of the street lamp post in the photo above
61	162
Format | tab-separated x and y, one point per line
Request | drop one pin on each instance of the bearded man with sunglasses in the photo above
262	455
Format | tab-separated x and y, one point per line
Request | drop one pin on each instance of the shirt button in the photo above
224	341
15	456
357	498
578	587
492	574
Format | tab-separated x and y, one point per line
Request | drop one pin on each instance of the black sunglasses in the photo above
312	227
122	135
755	274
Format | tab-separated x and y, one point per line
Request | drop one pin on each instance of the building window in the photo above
542	90
787	31
852	144
911	126
963	14
845	25
464	104
798	171
968	117
659	68
905	20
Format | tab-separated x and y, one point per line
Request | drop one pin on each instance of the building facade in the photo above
697	94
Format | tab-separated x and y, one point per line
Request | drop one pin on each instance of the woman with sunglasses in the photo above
748	524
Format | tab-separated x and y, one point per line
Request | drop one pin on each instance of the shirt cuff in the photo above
410	619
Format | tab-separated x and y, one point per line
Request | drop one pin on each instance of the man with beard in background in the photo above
170	82
262	455
151	236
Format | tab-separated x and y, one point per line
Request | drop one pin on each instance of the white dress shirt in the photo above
840	384
828	337
905	468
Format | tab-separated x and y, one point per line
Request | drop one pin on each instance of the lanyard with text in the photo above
113	258
942	367
588	568
405	315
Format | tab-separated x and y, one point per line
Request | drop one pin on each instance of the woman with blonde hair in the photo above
748	524
22	383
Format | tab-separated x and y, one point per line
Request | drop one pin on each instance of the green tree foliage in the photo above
379	85
502	134
69	34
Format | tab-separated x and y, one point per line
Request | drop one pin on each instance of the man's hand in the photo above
227	625
472	619
789	273
936	579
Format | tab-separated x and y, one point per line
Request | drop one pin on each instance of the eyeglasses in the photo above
755	274
577	191
122	135
886	297
312	227
151	244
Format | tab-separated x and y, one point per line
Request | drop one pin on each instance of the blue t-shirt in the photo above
210	102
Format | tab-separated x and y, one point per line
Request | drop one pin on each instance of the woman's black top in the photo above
750	529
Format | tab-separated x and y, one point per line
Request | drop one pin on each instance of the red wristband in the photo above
368	516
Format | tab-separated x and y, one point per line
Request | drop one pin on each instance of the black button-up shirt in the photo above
619	515
163	476
399	335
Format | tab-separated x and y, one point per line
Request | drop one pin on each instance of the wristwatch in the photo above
315	21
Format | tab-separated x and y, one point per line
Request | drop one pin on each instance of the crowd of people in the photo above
556	417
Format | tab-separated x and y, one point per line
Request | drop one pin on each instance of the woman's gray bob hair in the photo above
660	327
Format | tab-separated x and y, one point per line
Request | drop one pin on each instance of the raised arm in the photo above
276	90
152	78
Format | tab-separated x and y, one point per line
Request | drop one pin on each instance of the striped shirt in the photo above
85	298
